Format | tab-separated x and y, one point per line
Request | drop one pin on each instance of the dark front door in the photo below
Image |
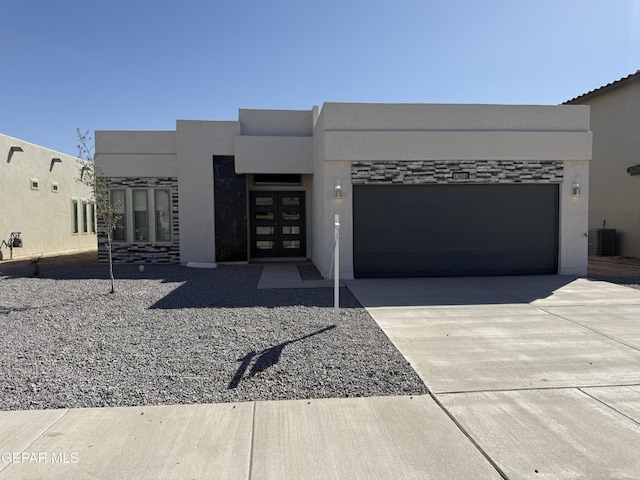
277	224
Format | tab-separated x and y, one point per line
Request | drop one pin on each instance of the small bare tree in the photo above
106	212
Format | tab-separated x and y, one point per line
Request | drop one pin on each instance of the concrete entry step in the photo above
287	275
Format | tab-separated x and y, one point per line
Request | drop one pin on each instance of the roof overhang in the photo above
623	82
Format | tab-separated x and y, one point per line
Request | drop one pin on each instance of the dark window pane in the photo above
163	215
265	230
265	245
118	201
141	216
288	201
92	220
264	201
291	215
264	216
74	213
279	179
291	230
85	217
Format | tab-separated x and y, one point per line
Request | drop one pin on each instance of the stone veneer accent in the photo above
442	172
144	252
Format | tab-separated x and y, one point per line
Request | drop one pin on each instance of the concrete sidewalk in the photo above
532	377
362	438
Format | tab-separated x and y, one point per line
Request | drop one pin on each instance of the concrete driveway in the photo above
542	372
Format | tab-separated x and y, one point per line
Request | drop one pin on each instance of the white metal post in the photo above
336	274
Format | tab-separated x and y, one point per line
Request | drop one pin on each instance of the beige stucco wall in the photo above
457	145
197	142
136	154
255	154
614	194
277	123
368	132
456	117
43	216
275	141
573	219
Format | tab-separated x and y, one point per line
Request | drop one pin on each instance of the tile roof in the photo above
632	78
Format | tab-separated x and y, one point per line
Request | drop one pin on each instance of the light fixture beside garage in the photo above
337	189
575	191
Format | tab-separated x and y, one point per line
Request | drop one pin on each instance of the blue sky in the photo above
142	64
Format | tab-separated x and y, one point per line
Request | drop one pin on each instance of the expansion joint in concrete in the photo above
466	434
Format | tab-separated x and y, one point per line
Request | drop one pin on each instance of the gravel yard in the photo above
620	270
172	335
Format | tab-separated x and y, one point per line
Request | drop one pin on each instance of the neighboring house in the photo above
420	189
42	199
614	198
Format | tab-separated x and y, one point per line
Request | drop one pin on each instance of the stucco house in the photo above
614	198
420	189
42	200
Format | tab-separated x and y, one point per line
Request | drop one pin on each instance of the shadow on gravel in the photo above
228	286
266	358
166	273
232	295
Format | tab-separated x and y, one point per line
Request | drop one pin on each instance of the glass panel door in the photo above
277	224
291	225
263	224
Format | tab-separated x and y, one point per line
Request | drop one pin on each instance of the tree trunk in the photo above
113	290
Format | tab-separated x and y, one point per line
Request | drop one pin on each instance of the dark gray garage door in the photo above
454	230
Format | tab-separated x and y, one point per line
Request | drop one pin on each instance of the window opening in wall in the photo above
55	188
92	216
118	202
35	184
145	215
140	216
74	215
85	217
278	179
163	215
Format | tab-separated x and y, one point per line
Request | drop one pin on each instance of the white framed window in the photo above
140	216
119	204
85	216
35	184
55	188
145	215
75	226
92	216
162	202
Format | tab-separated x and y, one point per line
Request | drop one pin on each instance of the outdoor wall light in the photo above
337	189
575	190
